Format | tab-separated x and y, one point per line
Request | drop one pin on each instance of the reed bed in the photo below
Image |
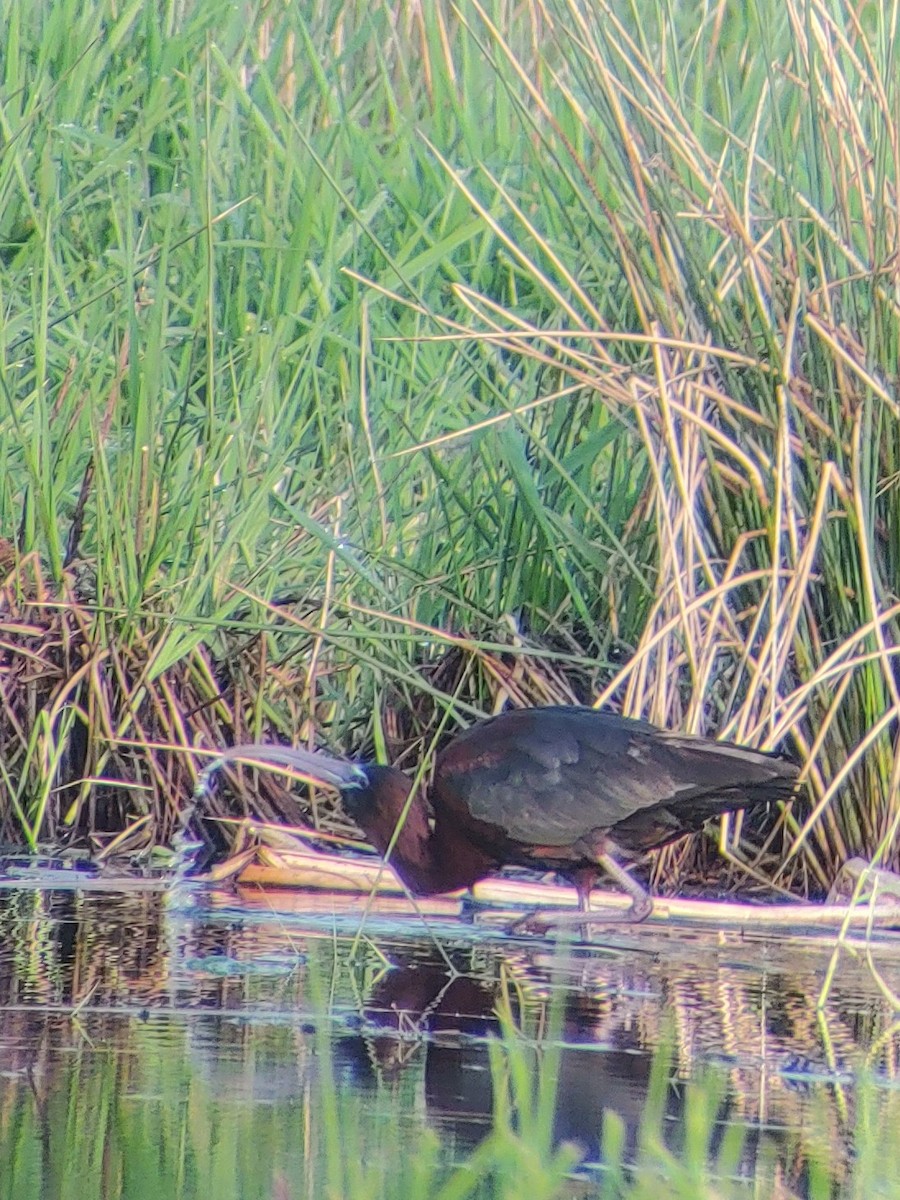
368	367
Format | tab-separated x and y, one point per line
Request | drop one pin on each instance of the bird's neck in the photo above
431	863
428	860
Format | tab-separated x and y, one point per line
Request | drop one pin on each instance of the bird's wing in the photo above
549	776
544	776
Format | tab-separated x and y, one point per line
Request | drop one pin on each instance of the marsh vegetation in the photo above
368	366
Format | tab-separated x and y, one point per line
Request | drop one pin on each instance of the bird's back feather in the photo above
549	776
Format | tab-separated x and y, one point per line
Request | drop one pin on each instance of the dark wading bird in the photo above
567	789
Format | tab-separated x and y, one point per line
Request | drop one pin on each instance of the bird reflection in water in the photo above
420	1012
419	1017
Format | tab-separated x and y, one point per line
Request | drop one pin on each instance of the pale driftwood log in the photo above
231	866
314	871
324	872
884	914
304	902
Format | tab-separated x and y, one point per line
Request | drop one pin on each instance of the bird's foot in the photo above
540	922
641	908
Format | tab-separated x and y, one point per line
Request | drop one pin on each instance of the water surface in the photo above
283	1045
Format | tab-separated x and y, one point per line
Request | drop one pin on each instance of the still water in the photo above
284	1046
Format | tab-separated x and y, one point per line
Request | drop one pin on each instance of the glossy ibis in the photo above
568	789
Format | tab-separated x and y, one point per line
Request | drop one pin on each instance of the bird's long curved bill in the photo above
321	768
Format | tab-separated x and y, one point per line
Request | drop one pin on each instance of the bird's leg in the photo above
641	903
599	847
